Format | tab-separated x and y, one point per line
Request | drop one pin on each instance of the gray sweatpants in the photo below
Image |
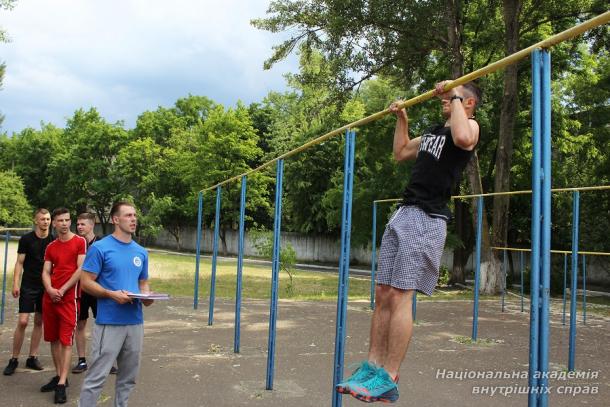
122	343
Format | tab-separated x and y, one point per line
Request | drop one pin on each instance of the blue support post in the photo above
198	251
521	267
535	230
240	266
545	278
414	306
574	277
584	290
275	272
477	270
565	286
343	284
7	237
374	256
214	256
504	264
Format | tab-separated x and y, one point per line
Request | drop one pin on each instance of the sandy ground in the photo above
188	363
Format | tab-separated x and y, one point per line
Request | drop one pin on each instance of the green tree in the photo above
14	207
4	5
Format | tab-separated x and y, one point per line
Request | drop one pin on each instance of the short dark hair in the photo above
59	211
44	211
475	91
116	207
87	215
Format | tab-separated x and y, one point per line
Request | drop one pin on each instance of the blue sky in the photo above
128	56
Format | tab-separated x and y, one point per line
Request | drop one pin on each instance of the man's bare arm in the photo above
75	277
17	274
92	287
403	147
54	293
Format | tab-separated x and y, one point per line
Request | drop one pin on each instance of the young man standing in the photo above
115	267
60	275
29	289
414	237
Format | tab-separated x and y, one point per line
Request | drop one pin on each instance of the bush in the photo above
262	240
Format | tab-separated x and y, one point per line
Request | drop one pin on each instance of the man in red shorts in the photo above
60	273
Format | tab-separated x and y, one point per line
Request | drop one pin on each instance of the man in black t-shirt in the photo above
29	289
414	238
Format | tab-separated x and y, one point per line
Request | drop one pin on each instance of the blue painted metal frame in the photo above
565	287
240	265
374	256
504	265
198	251
6	239
477	270
521	266
414	306
574	278
343	284
215	256
275	271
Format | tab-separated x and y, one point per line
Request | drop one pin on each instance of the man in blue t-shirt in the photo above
115	267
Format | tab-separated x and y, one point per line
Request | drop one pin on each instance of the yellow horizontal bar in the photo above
15	229
511	59
515	249
595	188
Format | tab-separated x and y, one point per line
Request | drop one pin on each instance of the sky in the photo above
124	57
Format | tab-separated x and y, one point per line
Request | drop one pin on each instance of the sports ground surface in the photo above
188	363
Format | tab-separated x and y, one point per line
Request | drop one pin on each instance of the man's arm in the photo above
92	287
145	288
404	148
17	274
75	277
464	132
54	293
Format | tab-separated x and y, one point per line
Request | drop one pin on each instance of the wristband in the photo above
454	97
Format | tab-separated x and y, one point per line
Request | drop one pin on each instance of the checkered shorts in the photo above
411	250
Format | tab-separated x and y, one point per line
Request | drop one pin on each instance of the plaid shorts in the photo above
411	250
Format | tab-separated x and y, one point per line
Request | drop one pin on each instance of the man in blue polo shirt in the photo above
115	267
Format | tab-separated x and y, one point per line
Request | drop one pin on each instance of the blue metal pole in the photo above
198	251
521	266
584	290
215	256
535	230
477	270
504	264
374	256
543	356
343	284
574	277
565	286
240	265
7	237
275	272
414	306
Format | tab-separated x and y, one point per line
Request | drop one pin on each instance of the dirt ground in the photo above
188	363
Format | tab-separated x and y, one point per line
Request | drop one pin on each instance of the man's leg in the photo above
19	334
106	342
65	354
380	324
81	338
128	364
400	329
36	334
56	354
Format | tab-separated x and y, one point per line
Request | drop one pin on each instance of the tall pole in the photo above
6	239
374	256
574	278
215	256
275	272
240	266
477	270
198	251
343	283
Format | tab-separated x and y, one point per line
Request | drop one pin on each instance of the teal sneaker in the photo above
364	372
380	387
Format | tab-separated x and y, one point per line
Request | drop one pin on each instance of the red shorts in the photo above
59	319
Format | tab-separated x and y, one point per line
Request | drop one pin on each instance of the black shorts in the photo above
87	301
30	299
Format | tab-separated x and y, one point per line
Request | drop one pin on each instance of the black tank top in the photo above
436	172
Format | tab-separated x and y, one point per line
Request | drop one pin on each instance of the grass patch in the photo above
466	340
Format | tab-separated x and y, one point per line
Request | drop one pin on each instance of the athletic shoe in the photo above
33	363
380	387
52	385
10	368
60	394
364	372
113	370
80	367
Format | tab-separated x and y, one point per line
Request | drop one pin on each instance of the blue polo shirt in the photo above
118	266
